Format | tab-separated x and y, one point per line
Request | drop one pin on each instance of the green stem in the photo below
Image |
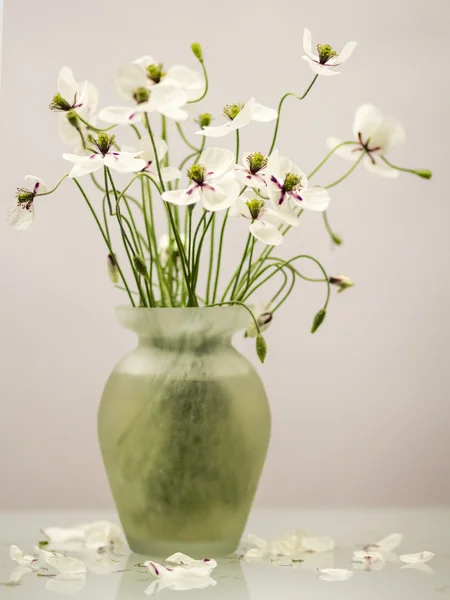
56	186
184	138
237	145
237	274
280	106
239	303
211	260
349	172
136	131
219	254
96	129
329	155
83	193
424	173
205	91
152	139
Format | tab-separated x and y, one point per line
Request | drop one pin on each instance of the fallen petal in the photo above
18	573
66	584
66	565
59	534
318	544
335	574
20	557
387	544
419	557
420	567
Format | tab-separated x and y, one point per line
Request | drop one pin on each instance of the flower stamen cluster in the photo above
231	111
60	104
256	207
103	143
141	95
155	72
25	197
197	174
292	182
257	161
325	52
204	120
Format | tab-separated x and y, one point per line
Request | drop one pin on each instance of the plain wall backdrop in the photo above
361	409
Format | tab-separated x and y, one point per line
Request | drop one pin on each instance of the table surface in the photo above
424	529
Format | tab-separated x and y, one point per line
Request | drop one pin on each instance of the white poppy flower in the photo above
368	560
419	557
105	155
327	60
240	115
132	83
213	182
252	172
264	221
21	214
68	133
188	80
263	317
374	135
317	544
184	573
146	152
335	574
286	184
387	544
20	557
71	95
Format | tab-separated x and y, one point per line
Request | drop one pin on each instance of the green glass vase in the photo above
184	427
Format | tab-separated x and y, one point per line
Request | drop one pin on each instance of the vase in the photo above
184	426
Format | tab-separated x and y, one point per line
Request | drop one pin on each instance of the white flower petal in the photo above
129	79
170	173
120	115
288	544
390	133
124	163
61	535
66	584
215	199
68	133
167	95
318	544
19	216
419	557
246	177
67	86
244	117
367	119
420	567
287	213
240	208
367	557
102	534
180	584
216	132
263	114
175	113
346	52
388	543
37	185
335	574
307	43
145	61
266	232
315	198
217	160
349	152
17	574
380	168
66	564
20	557
181	197
186	78
320	69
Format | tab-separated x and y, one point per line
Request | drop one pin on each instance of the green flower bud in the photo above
140	266
58	103
325	53
231	111
141	95
104	142
424	173
197	51
261	347
43	543
155	72
292	182
336	239
73	119
197	174
204	120
342	282
113	270
318	320
257	161
255	206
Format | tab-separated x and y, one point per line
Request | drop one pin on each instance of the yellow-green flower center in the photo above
204	120
155	72
292	182
255	207
256	161
231	111
59	103
104	142
325	53
197	174
141	95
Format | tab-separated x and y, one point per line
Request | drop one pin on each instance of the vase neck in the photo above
184	328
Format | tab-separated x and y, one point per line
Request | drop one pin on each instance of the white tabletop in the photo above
238	580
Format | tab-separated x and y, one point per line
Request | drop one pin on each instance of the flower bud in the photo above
204	120
140	266
113	271
197	50
336	239
342	282
73	119
261	347
318	320
263	320
424	173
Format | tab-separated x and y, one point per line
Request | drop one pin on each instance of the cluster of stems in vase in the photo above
159	268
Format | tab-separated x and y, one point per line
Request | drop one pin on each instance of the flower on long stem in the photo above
104	155
342	282
21	214
288	187
326	60
132	83
264	221
212	182
252	172
375	135
240	115
191	82
264	318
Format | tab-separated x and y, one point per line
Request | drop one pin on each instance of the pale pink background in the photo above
360	410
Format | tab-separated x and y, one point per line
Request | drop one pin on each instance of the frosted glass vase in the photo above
184	427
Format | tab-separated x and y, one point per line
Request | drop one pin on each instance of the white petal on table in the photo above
66	584
20	557
67	565
419	557
318	544
335	574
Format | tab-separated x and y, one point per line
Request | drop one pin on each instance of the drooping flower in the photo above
146	151
374	135
133	84
335	574
213	182
71	95
252	172
20	557
240	115
21	214
191	82
263	317
342	282
286	184
105	155
181	572
264	221
327	60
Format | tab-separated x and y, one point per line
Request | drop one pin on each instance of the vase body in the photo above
184	427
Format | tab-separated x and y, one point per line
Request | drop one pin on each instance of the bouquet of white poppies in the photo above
159	265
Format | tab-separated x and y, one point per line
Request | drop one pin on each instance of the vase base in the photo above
197	550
